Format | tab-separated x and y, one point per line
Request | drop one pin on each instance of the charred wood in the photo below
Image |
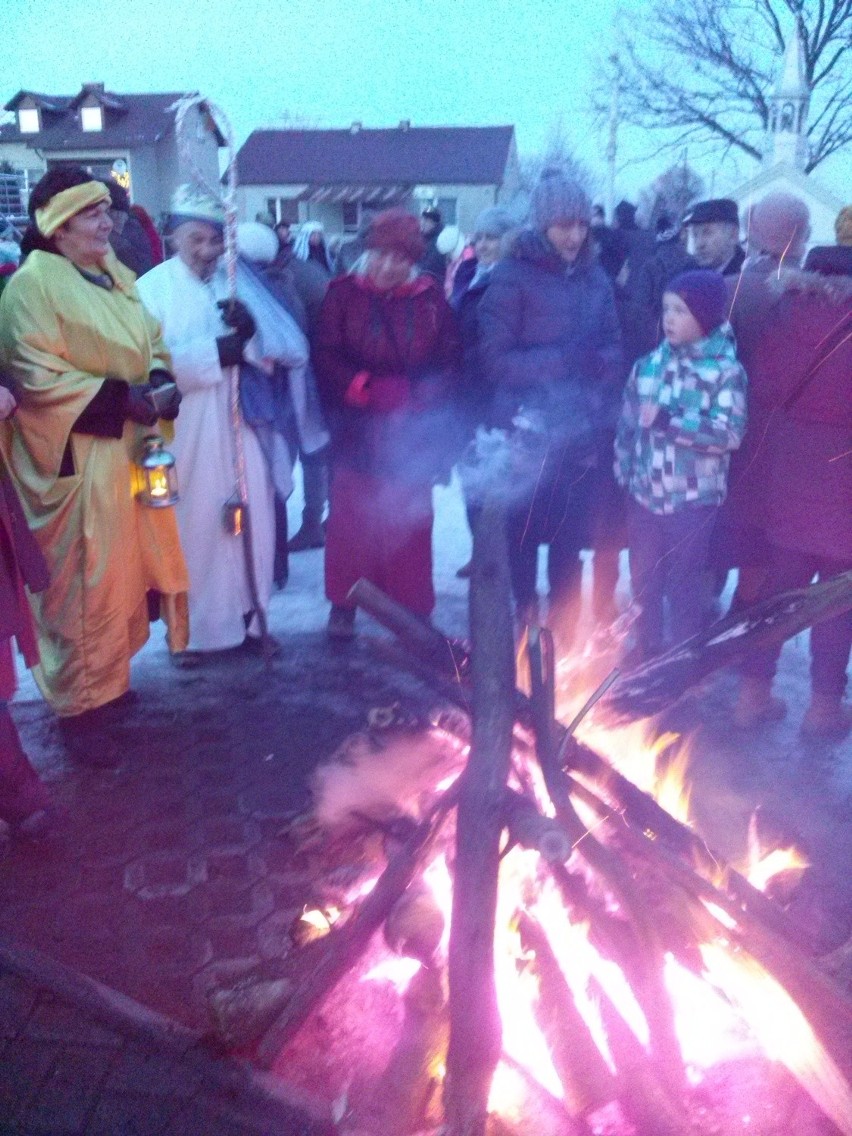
268	1013
475	1028
587	1082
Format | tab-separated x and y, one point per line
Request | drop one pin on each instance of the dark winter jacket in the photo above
308	279
551	343
433	262
644	301
475	392
735	264
387	366
809	428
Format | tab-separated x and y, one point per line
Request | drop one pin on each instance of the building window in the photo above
91	118
350	216
28	120
284	209
447	209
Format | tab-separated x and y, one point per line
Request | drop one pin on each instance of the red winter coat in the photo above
809	444
386	366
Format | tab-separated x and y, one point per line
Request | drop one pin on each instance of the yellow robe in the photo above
60	335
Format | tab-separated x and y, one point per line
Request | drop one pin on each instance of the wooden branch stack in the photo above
642	881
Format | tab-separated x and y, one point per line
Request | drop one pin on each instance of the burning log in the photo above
639	1091
649	689
650	961
528	828
587	1082
429	655
407	1087
267	1013
475	1028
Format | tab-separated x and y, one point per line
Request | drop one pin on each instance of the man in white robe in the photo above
184	294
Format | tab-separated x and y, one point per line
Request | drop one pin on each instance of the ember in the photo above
563	952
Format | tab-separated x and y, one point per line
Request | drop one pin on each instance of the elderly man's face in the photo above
714	243
199	245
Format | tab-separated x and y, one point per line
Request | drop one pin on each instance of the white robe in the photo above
204	457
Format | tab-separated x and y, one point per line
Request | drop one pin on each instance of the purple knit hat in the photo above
705	294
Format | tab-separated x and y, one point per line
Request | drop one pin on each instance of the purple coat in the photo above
808	498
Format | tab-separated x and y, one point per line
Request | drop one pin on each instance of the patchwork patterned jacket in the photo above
695	399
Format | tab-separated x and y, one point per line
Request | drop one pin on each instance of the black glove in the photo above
139	408
160	376
230	348
236	315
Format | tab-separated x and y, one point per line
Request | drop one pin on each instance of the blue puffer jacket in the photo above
551	343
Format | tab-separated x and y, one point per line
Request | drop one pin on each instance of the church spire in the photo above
788	141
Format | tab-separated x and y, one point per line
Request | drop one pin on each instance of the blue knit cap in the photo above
705	294
495	221
558	199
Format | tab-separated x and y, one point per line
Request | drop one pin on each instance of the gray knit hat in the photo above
558	199
494	222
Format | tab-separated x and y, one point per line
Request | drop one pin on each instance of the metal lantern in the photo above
159	487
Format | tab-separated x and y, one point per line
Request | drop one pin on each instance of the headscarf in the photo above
302	248
67	203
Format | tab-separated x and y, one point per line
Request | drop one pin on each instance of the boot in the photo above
341	623
757	704
310	535
827	719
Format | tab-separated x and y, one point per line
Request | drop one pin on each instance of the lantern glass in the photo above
159	487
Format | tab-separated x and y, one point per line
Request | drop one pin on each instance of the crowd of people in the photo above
673	393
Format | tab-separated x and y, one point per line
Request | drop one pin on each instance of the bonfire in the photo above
520	931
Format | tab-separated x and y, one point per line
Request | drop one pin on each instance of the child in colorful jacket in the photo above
684	411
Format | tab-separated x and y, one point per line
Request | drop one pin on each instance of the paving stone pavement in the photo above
171	874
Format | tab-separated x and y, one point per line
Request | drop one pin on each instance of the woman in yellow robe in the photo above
84	356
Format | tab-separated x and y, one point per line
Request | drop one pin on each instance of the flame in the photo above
763	870
782	1030
320	920
397	970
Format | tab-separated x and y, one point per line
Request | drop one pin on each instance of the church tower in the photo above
787	139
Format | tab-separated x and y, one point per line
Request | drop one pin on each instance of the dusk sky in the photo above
441	62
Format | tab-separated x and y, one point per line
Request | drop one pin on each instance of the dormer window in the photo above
92	118
28	120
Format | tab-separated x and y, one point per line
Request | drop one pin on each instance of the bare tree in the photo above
557	154
708	70
669	194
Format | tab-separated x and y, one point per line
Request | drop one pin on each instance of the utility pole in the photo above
612	139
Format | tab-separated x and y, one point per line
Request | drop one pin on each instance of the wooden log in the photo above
426	642
650	961
661	682
527	827
826	1005
432	653
405	1091
642	1097
587	1082
270	1012
475	1028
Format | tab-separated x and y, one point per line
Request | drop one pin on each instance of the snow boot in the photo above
757	704
341	623
827	719
310	535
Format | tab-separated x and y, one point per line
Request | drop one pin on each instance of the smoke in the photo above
381	776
